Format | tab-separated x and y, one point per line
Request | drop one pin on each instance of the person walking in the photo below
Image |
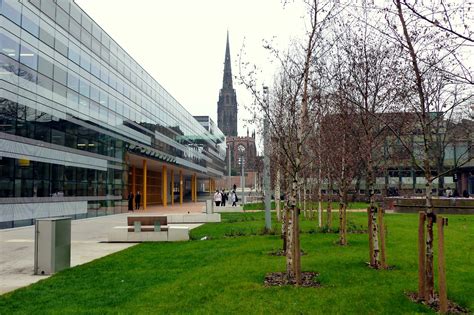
217	198
234	198
138	199
130	201
224	198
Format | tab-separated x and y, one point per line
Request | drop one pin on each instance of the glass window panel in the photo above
45	67
104	53
94	94
60	43
84	88
95	69
94	110
60	75
75	29
64	4
7	118
12	10
58	137
29	56
10	45
74	53
87	23
72	97
86	38
83	104
104	75
36	3
47	84
62	18
75	13
60	90
85	61
73	82
48	7
96	46
47	34
30	22
96	31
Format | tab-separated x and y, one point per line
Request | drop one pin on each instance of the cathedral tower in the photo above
227	104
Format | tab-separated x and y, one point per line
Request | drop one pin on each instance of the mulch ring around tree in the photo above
308	279
281	252
453	308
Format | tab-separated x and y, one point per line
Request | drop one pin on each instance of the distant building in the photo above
241	148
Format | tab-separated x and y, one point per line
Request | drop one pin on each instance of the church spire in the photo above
227	81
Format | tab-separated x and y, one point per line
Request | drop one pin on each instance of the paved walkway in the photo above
88	242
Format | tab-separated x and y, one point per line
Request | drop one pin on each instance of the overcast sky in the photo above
181	43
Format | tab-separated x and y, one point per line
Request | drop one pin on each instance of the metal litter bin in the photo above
52	245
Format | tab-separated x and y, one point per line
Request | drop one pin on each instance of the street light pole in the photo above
266	166
228	165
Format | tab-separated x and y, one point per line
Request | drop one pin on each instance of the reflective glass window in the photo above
36	3
45	67
84	88
94	94
47	34
30	22
12	10
95	69
10	45
104	75
63	4
96	31
60	89
74	53
29	56
86	38
87	23
72	96
75	29
60	44
62	18
46	83
73	82
85	61
60	75
75	13
95	46
48	7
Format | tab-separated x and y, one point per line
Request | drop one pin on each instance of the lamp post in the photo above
241	149
229	183
266	166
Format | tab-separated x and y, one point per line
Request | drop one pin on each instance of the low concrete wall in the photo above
440	205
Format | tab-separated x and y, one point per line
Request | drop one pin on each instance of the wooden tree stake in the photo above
443	295
382	239
371	243
421	256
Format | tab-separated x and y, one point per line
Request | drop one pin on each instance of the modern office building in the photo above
82	124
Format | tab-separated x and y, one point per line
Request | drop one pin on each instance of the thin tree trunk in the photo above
277	195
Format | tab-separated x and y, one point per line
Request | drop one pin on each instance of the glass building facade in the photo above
77	113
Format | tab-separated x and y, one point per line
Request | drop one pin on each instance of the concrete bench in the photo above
148	228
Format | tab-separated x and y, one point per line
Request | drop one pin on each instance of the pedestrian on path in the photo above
224	198
138	199
130	201
234	199
217	198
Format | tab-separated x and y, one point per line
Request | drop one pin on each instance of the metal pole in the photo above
243	180
266	167
229	173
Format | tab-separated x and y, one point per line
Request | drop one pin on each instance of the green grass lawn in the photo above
225	273
309	205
